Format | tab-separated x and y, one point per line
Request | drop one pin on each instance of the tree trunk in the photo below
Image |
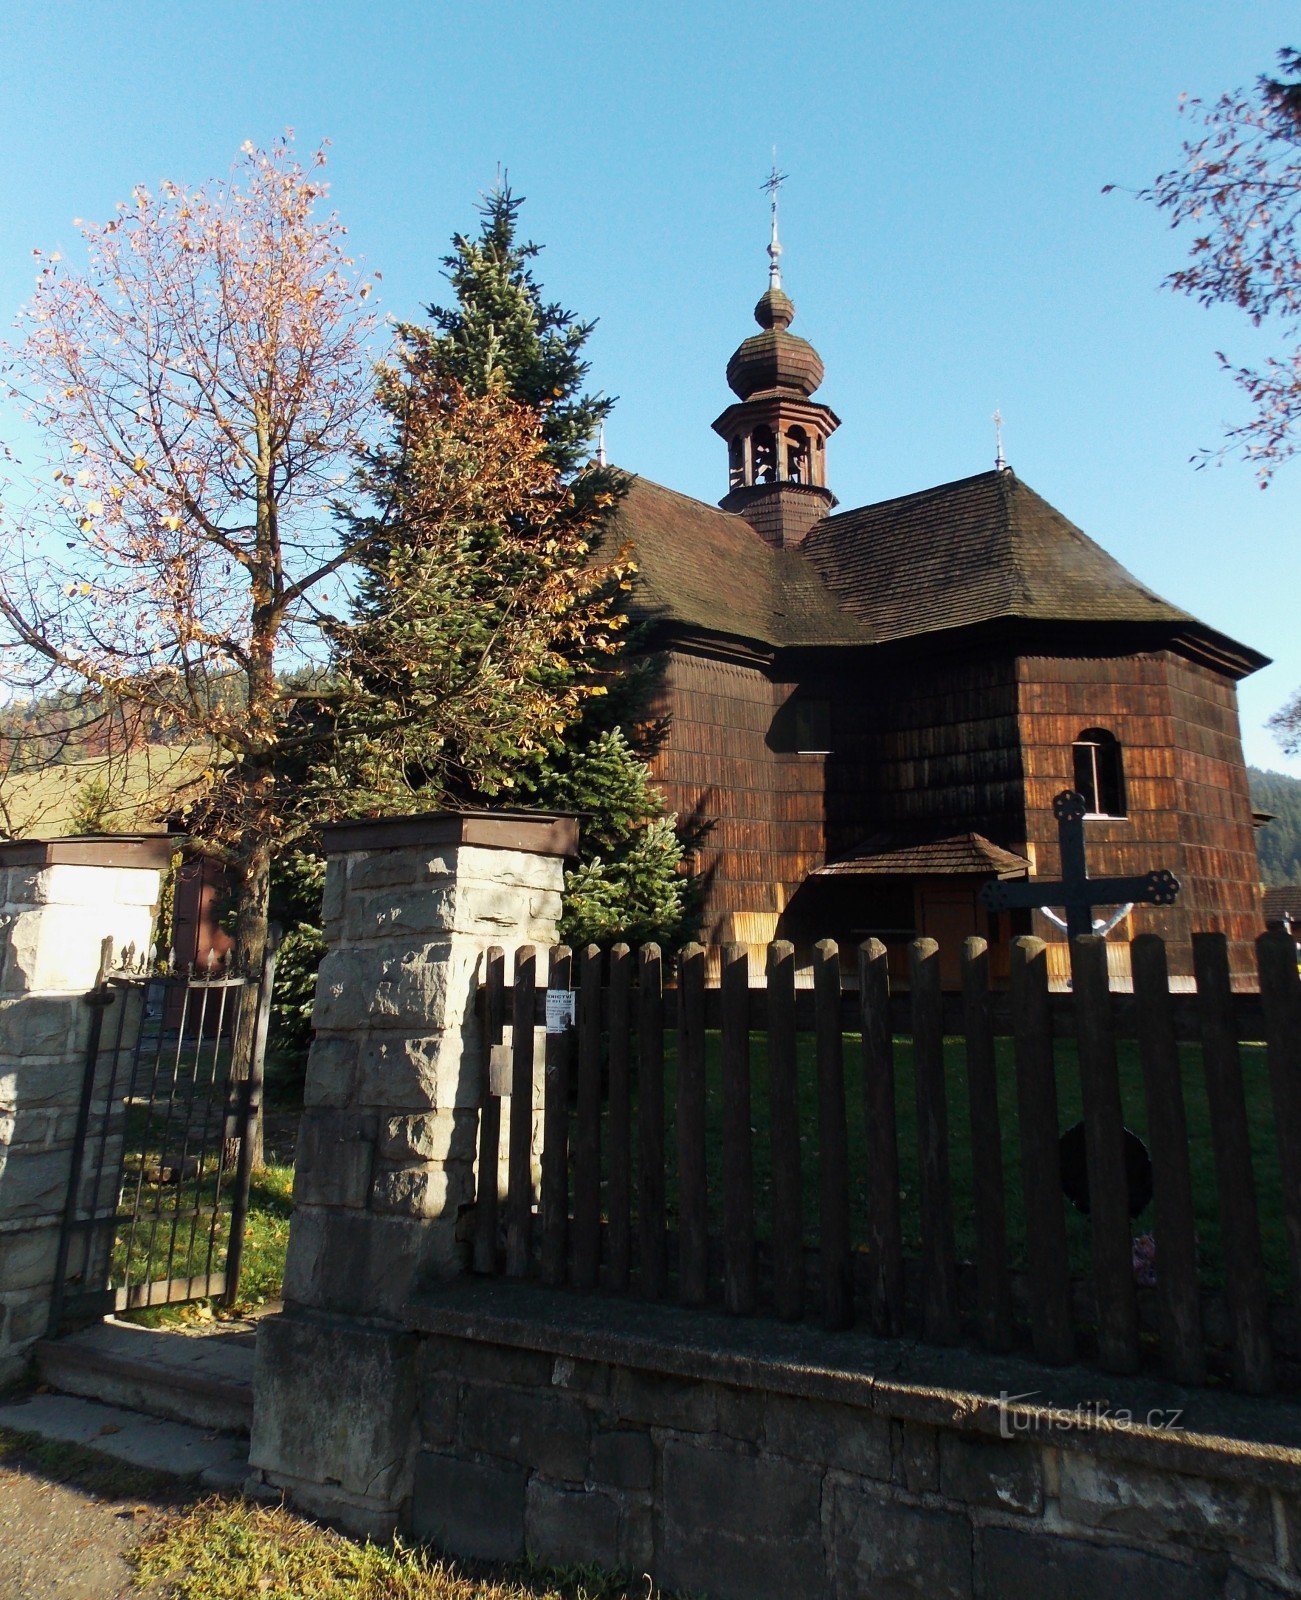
251	906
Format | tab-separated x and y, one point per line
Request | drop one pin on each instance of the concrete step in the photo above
195	1455
202	1379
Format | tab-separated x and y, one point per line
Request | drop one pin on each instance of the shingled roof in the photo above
980	550
708	570
906	854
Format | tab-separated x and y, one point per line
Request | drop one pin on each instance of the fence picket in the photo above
784	1133
884	1229
1104	1140
1244	1265
587	1133
620	1116
833	1142
652	1243
1041	1167
555	1132
1178	1299
693	1185
989	1201
738	1154
1280	991
486	1198
519	1177
939	1250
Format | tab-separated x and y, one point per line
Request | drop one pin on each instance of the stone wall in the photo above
59	900
583	1440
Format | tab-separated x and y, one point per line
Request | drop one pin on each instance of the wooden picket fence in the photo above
620	1205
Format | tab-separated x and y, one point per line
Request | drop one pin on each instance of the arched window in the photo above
1099	772
735	463
764	447
797	456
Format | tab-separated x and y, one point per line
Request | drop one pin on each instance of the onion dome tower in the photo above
776	435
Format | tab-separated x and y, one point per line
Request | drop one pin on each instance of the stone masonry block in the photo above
884	1547
40	1025
331	1071
420	987
623	1458
535	1427
335	1156
1035	1566
57	947
1167	1508
514	868
573	1526
432	1191
353	1262
468	1508
99	889
916	1451
438	1405
27	1258
736	1524
412	1138
33	1183
334	1402
445	1359
662	1402
399	1070
377	869
841	1437
1003	1475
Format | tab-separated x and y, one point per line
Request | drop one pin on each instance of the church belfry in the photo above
777	436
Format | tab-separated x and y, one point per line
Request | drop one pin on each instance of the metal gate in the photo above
159	1182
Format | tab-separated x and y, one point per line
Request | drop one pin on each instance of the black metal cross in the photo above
1076	890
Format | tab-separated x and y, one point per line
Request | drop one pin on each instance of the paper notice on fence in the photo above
560	1010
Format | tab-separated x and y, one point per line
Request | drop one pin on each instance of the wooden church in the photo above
872	709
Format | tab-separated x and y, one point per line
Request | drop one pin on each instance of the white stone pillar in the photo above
386	1151
395	1075
59	900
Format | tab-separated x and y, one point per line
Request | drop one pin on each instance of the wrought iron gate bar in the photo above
150	1204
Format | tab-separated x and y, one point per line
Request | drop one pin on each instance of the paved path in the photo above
58	1542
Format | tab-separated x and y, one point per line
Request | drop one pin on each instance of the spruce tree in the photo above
631	877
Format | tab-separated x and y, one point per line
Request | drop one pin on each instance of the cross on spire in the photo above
772	184
1000	460
1076	891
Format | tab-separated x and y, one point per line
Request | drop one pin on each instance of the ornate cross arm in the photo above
1075	891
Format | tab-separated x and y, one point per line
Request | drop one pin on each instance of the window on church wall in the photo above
736	463
797	456
764	447
1099	772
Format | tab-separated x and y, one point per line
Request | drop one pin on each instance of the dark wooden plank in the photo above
833	1142
586	1266
739	1273
1248	1016
652	1239
784	1134
1178	1294
1280	991
1244	1262
620	1117
1111	1237
939	1248
989	1199
1041	1167
693	1183
884	1229
519	1177
488	1190
555	1132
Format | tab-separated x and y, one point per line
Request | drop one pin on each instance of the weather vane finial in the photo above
772	185
1000	460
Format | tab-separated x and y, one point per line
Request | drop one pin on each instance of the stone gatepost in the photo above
386	1151
59	900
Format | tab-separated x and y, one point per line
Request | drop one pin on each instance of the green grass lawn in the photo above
1259	1109
266	1237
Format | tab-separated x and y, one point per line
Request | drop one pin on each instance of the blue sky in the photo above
948	246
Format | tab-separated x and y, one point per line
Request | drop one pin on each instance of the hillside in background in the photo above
1278	843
